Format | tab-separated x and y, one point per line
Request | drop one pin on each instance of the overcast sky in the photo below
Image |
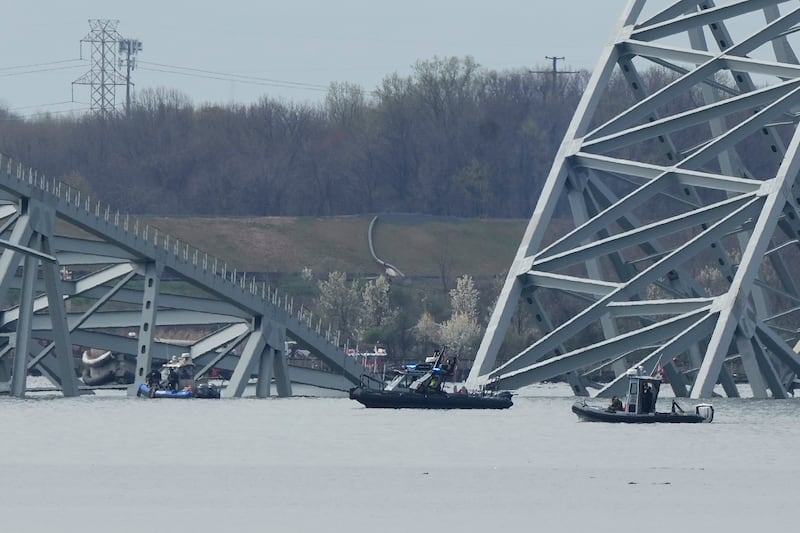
241	50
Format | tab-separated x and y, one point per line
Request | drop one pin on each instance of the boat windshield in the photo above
401	381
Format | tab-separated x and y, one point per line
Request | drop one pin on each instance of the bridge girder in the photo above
681	209
107	291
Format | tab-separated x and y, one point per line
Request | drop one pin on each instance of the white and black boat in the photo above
421	386
640	406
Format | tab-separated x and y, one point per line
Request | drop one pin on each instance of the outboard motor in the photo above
705	410
207	390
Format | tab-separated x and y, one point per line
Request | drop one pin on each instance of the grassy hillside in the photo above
417	245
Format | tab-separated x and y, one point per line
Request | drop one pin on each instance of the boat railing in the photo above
368	381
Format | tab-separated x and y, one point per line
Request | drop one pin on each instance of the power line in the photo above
554	72
17	117
225	76
104	75
46	105
12	74
42	64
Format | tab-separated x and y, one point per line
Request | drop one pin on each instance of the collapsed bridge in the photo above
684	208
134	280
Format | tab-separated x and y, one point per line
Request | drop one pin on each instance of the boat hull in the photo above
596	414
202	393
441	400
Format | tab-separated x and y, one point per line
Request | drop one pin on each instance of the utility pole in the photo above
555	72
129	47
555	62
103	76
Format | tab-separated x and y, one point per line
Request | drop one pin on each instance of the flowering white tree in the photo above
340	302
427	331
377	308
464	297
461	332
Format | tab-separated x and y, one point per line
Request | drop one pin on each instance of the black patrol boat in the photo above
421	386
640	406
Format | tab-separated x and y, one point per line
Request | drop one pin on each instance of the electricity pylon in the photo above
104	75
666	234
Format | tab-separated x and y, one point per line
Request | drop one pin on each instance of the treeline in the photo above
451	139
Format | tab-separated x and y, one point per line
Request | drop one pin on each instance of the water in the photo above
116	464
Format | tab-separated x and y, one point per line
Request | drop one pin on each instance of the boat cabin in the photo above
408	375
642	392
183	366
423	377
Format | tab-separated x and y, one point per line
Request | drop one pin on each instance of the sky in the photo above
238	51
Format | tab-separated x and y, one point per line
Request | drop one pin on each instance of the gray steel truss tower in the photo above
104	75
667	232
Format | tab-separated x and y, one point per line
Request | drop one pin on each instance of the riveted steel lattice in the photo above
667	231
104	76
78	274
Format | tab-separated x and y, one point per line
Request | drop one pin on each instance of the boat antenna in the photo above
658	362
441	355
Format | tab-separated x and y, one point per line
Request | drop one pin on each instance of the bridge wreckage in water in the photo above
684	212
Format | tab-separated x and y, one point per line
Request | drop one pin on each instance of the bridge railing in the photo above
181	250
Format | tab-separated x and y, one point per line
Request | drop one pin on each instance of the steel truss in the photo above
680	209
128	280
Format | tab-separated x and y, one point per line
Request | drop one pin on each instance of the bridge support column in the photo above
64	369
262	355
273	364
254	345
152	281
280	365
31	237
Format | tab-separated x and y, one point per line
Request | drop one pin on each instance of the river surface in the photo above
109	463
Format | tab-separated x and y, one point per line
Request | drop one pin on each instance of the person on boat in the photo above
616	404
647	398
153	379
449	366
172	380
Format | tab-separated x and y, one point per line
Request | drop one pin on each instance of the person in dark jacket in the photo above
153	378
172	380
616	405
647	398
